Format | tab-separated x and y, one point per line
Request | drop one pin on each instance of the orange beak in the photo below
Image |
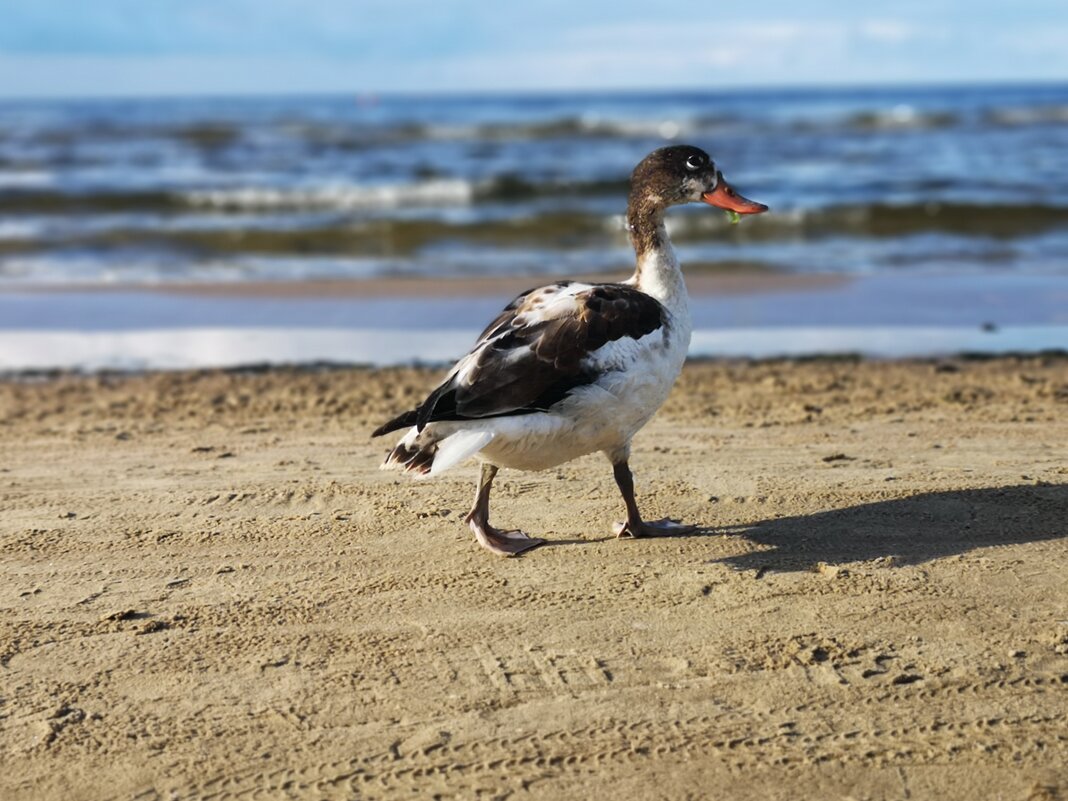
724	197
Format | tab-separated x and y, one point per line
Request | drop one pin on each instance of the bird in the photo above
573	367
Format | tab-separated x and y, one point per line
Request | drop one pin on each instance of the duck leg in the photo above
635	526
502	543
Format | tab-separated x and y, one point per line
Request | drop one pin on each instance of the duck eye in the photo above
695	162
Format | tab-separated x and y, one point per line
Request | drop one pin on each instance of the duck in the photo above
572	367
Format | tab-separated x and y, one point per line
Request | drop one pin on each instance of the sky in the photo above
80	48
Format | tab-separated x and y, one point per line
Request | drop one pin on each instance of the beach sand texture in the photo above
210	591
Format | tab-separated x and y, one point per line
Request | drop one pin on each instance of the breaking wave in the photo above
553	231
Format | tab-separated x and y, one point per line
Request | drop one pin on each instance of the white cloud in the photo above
146	76
886	30
1051	39
697	53
632	38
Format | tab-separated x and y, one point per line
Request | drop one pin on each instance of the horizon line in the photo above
527	92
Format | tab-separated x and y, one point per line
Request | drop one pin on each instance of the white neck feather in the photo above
658	274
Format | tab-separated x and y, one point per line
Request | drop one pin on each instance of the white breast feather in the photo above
457	447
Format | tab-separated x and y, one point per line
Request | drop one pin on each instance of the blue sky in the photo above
152	47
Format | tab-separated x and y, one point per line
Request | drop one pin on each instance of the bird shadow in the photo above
908	531
547	544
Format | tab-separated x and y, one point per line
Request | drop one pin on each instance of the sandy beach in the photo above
210	591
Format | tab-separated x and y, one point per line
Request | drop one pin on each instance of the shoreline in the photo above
169	350
408	321
698	283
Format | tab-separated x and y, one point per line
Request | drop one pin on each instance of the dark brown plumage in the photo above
530	357
660	180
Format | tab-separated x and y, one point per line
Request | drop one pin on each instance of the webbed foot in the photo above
504	543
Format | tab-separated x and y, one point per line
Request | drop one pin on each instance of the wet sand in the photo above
210	591
742	280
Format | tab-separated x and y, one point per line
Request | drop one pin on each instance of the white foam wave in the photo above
1034	115
21	229
586	126
901	117
25	179
340	196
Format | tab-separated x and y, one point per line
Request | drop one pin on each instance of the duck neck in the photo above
657	270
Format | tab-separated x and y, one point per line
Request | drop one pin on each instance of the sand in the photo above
739	279
210	591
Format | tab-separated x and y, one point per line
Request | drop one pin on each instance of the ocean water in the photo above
942	212
860	182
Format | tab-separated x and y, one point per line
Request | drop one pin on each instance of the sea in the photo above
941	212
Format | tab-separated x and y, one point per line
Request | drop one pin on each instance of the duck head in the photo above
680	174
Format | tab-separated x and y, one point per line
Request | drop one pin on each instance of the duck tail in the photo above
424	456
397	423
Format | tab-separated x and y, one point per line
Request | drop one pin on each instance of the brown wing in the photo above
537	351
